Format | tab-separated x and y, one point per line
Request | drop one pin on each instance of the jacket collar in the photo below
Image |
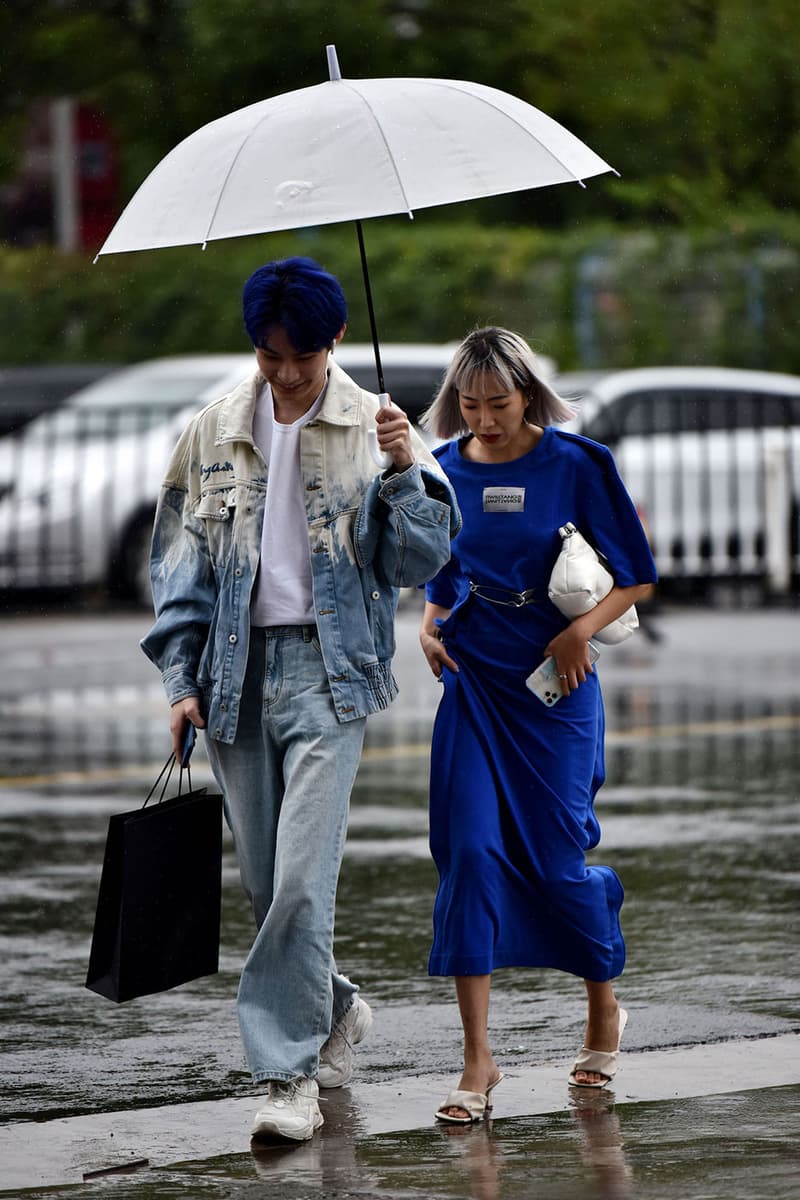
341	405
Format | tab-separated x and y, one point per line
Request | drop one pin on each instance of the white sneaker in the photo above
336	1056
290	1110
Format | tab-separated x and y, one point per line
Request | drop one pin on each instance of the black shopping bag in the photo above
158	910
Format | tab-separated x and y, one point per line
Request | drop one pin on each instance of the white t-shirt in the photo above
282	593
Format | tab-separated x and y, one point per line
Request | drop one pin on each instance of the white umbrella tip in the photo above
333	63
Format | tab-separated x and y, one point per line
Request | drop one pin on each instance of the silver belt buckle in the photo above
514	599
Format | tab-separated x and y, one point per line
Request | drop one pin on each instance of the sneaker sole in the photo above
266	1131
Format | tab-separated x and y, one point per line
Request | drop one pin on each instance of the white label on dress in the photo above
504	499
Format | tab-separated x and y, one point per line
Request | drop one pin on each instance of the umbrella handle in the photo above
381	458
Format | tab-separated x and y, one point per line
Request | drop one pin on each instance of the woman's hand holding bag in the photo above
579	581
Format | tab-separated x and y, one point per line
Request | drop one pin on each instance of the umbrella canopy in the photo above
346	150
343	151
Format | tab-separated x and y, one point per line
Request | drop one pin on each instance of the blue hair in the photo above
298	295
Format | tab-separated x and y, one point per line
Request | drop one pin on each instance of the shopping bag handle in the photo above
167	769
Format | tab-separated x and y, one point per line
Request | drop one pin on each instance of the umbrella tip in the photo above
333	63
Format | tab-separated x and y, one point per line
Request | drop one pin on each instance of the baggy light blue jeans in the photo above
286	780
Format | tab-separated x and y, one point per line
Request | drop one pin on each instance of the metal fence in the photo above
715	474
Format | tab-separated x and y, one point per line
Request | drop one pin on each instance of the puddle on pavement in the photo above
705	1147
710	873
730	1147
699	817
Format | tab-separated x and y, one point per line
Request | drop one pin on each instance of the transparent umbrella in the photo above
346	150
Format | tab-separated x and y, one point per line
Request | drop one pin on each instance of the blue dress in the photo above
512	781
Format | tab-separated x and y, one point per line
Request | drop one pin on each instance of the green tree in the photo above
695	102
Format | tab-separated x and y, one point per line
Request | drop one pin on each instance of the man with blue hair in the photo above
278	550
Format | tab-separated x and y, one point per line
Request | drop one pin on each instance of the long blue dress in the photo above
512	781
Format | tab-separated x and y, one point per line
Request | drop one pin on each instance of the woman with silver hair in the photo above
513	781
506	356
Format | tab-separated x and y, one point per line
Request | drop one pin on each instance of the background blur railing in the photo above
717	485
715	474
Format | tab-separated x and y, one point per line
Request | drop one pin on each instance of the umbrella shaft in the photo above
370	308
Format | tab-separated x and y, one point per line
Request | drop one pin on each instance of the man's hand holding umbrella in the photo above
394	436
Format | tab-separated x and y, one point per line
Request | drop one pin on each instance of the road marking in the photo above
721	728
92	775
750	725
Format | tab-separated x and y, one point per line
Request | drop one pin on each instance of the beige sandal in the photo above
601	1062
477	1104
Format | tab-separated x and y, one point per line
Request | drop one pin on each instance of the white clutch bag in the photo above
580	580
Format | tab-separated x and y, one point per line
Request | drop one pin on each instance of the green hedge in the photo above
599	296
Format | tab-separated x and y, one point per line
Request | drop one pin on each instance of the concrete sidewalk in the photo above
65	1152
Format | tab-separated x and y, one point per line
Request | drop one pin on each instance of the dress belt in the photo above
503	595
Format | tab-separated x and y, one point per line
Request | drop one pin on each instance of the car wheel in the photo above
131	579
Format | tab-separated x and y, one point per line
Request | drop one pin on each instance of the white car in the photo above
711	457
78	487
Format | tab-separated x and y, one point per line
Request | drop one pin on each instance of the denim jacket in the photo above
369	534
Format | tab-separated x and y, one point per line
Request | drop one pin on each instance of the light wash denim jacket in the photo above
369	534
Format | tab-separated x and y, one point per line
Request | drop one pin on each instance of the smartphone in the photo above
544	681
189	739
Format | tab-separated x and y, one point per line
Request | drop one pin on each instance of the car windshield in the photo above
129	403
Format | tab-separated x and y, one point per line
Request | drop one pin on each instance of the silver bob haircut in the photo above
507	356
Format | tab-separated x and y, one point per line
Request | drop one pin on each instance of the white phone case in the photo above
544	681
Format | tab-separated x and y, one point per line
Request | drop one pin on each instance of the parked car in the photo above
78	487
711	456
26	392
412	371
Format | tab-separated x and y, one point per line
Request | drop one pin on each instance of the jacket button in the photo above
223	512
217	733
238	571
233	639
376	595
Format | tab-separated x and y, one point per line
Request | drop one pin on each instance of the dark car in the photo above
25	392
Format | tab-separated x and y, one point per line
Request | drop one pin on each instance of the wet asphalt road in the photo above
699	816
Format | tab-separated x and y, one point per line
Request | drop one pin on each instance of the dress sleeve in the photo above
442	589
609	520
